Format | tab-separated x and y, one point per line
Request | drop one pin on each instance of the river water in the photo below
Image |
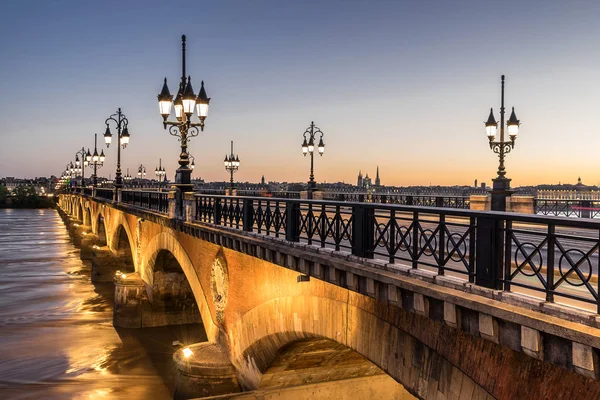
56	335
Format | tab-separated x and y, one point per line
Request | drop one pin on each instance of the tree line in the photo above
23	197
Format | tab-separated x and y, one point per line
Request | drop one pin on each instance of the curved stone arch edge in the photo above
119	222
167	241
250	366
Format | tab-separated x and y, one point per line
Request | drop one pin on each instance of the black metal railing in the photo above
88	191
284	194
568	208
150	200
449	201
104	193
552	256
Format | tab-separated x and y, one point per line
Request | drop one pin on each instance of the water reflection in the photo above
57	336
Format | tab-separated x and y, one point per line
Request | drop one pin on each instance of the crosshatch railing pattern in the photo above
554	258
568	208
105	193
449	201
150	200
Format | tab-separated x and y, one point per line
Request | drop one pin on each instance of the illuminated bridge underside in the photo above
438	338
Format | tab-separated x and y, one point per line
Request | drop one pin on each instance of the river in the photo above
56	335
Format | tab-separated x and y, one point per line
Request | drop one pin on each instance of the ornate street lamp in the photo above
501	187
121	123
97	161
232	164
308	147
160	173
185	103
141	171
128	178
80	165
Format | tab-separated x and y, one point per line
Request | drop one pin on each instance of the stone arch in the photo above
99	229
258	336
79	210
167	241
87	215
330	364
118	225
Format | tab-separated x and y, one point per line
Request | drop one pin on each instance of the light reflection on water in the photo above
56	335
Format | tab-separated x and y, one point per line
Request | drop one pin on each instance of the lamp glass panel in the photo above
188	105
202	110
165	107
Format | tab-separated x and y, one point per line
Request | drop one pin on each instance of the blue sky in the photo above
405	85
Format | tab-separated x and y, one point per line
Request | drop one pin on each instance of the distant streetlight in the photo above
141	171
160	173
128	178
308	147
121	123
232	164
185	103
501	187
97	161
80	165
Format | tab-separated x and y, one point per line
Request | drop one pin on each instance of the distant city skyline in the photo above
403	85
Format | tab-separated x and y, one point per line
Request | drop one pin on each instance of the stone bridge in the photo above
439	336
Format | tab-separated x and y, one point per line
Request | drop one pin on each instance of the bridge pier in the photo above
105	265
169	304
206	371
130	293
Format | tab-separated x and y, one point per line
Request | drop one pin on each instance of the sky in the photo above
403	85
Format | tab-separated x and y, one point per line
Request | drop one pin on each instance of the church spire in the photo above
377	181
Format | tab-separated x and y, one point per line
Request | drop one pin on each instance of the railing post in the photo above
248	215
409	200
190	206
171	199
584	207
550	263
292	221
489	252
217	212
362	231
439	201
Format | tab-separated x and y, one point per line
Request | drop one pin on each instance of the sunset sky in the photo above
406	85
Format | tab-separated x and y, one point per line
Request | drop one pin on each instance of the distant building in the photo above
366	182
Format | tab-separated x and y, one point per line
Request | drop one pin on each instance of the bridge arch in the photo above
165	241
87	215
99	229
122	241
260	334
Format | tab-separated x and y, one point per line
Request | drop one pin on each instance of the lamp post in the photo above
81	165
128	178
121	123
141	171
72	170
308	147
160	173
501	187
97	161
183	127
232	164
